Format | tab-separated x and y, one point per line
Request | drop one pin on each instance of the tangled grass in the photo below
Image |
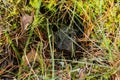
27	49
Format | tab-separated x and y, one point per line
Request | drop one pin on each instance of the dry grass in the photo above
27	37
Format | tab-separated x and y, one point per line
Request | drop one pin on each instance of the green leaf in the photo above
35	3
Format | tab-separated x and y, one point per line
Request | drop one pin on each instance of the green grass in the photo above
51	50
99	49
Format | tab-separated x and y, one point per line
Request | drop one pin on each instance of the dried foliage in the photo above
63	40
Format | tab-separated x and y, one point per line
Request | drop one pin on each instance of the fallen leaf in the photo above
25	21
30	57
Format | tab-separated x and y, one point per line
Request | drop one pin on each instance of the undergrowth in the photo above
34	35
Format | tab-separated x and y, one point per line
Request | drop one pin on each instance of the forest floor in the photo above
60	39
